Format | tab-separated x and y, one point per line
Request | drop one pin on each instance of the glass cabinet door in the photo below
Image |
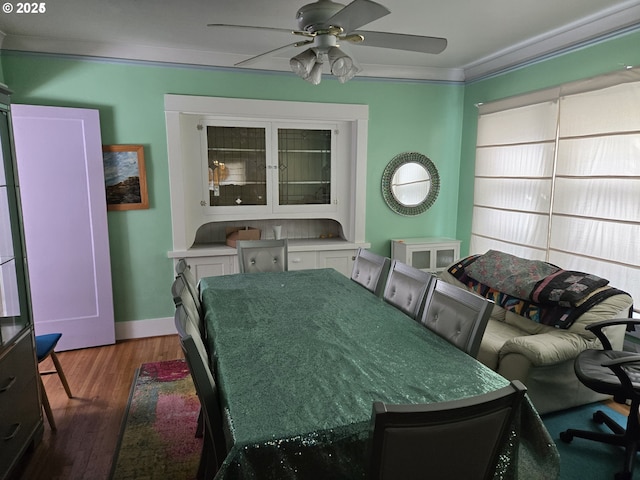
304	167
237	166
13	318
269	167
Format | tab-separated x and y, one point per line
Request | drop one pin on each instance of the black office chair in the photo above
616	373
214	447
262	255
370	270
459	439
184	271
406	288
456	314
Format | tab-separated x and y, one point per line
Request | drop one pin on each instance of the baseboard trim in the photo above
154	327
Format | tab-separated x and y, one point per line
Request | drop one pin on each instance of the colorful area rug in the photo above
583	459
157	440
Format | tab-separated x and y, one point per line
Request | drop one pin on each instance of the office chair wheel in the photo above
566	437
599	416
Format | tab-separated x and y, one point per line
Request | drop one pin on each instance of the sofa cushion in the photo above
495	336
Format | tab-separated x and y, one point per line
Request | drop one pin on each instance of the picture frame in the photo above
125	177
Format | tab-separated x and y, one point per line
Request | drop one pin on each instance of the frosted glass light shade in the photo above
303	63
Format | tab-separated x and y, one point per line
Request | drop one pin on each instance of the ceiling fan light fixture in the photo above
315	75
341	63
303	63
349	75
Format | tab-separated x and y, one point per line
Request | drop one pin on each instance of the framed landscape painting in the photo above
125	177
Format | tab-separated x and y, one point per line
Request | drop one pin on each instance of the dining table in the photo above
299	358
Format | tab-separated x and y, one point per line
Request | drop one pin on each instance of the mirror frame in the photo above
387	177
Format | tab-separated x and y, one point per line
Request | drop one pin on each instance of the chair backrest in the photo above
183	270
182	296
458	439
406	287
370	270
198	360
456	314
262	255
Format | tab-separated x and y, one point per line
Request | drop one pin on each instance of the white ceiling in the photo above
483	36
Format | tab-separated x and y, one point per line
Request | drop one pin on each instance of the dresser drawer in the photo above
19	401
19	417
17	366
302	260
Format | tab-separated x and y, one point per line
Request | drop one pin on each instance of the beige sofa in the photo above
542	356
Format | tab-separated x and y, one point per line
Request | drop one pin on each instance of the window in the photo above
558	178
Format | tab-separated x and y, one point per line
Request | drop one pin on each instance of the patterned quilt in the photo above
543	293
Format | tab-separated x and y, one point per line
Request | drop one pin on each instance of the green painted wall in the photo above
597	59
403	116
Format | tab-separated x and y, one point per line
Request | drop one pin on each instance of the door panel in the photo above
61	175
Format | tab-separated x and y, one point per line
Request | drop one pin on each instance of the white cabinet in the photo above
302	260
303	255
283	161
340	260
261	163
431	254
213	266
270	167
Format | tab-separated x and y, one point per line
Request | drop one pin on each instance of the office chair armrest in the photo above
622	361
617	365
596	328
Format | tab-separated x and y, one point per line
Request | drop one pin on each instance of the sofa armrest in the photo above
548	348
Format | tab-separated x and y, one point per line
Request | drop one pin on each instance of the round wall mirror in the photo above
410	183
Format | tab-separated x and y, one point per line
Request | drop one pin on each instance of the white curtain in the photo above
559	180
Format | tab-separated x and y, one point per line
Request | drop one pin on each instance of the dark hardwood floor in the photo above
88	424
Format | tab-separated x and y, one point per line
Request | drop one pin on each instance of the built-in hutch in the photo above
238	163
20	412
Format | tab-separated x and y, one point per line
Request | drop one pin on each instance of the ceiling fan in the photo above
325	23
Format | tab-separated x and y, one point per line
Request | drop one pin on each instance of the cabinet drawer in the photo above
301	260
19	416
17	366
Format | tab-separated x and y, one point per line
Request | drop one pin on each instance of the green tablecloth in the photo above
300	358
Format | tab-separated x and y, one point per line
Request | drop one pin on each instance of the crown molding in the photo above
615	21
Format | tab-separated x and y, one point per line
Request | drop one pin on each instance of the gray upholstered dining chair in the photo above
182	296
458	439
214	446
183	270
456	314
262	255
370	270
406	288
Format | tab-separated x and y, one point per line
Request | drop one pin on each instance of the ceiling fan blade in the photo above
357	14
228	25
251	60
401	41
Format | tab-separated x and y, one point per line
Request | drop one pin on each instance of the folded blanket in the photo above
547	313
566	288
507	273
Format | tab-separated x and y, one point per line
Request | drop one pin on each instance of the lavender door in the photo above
61	176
